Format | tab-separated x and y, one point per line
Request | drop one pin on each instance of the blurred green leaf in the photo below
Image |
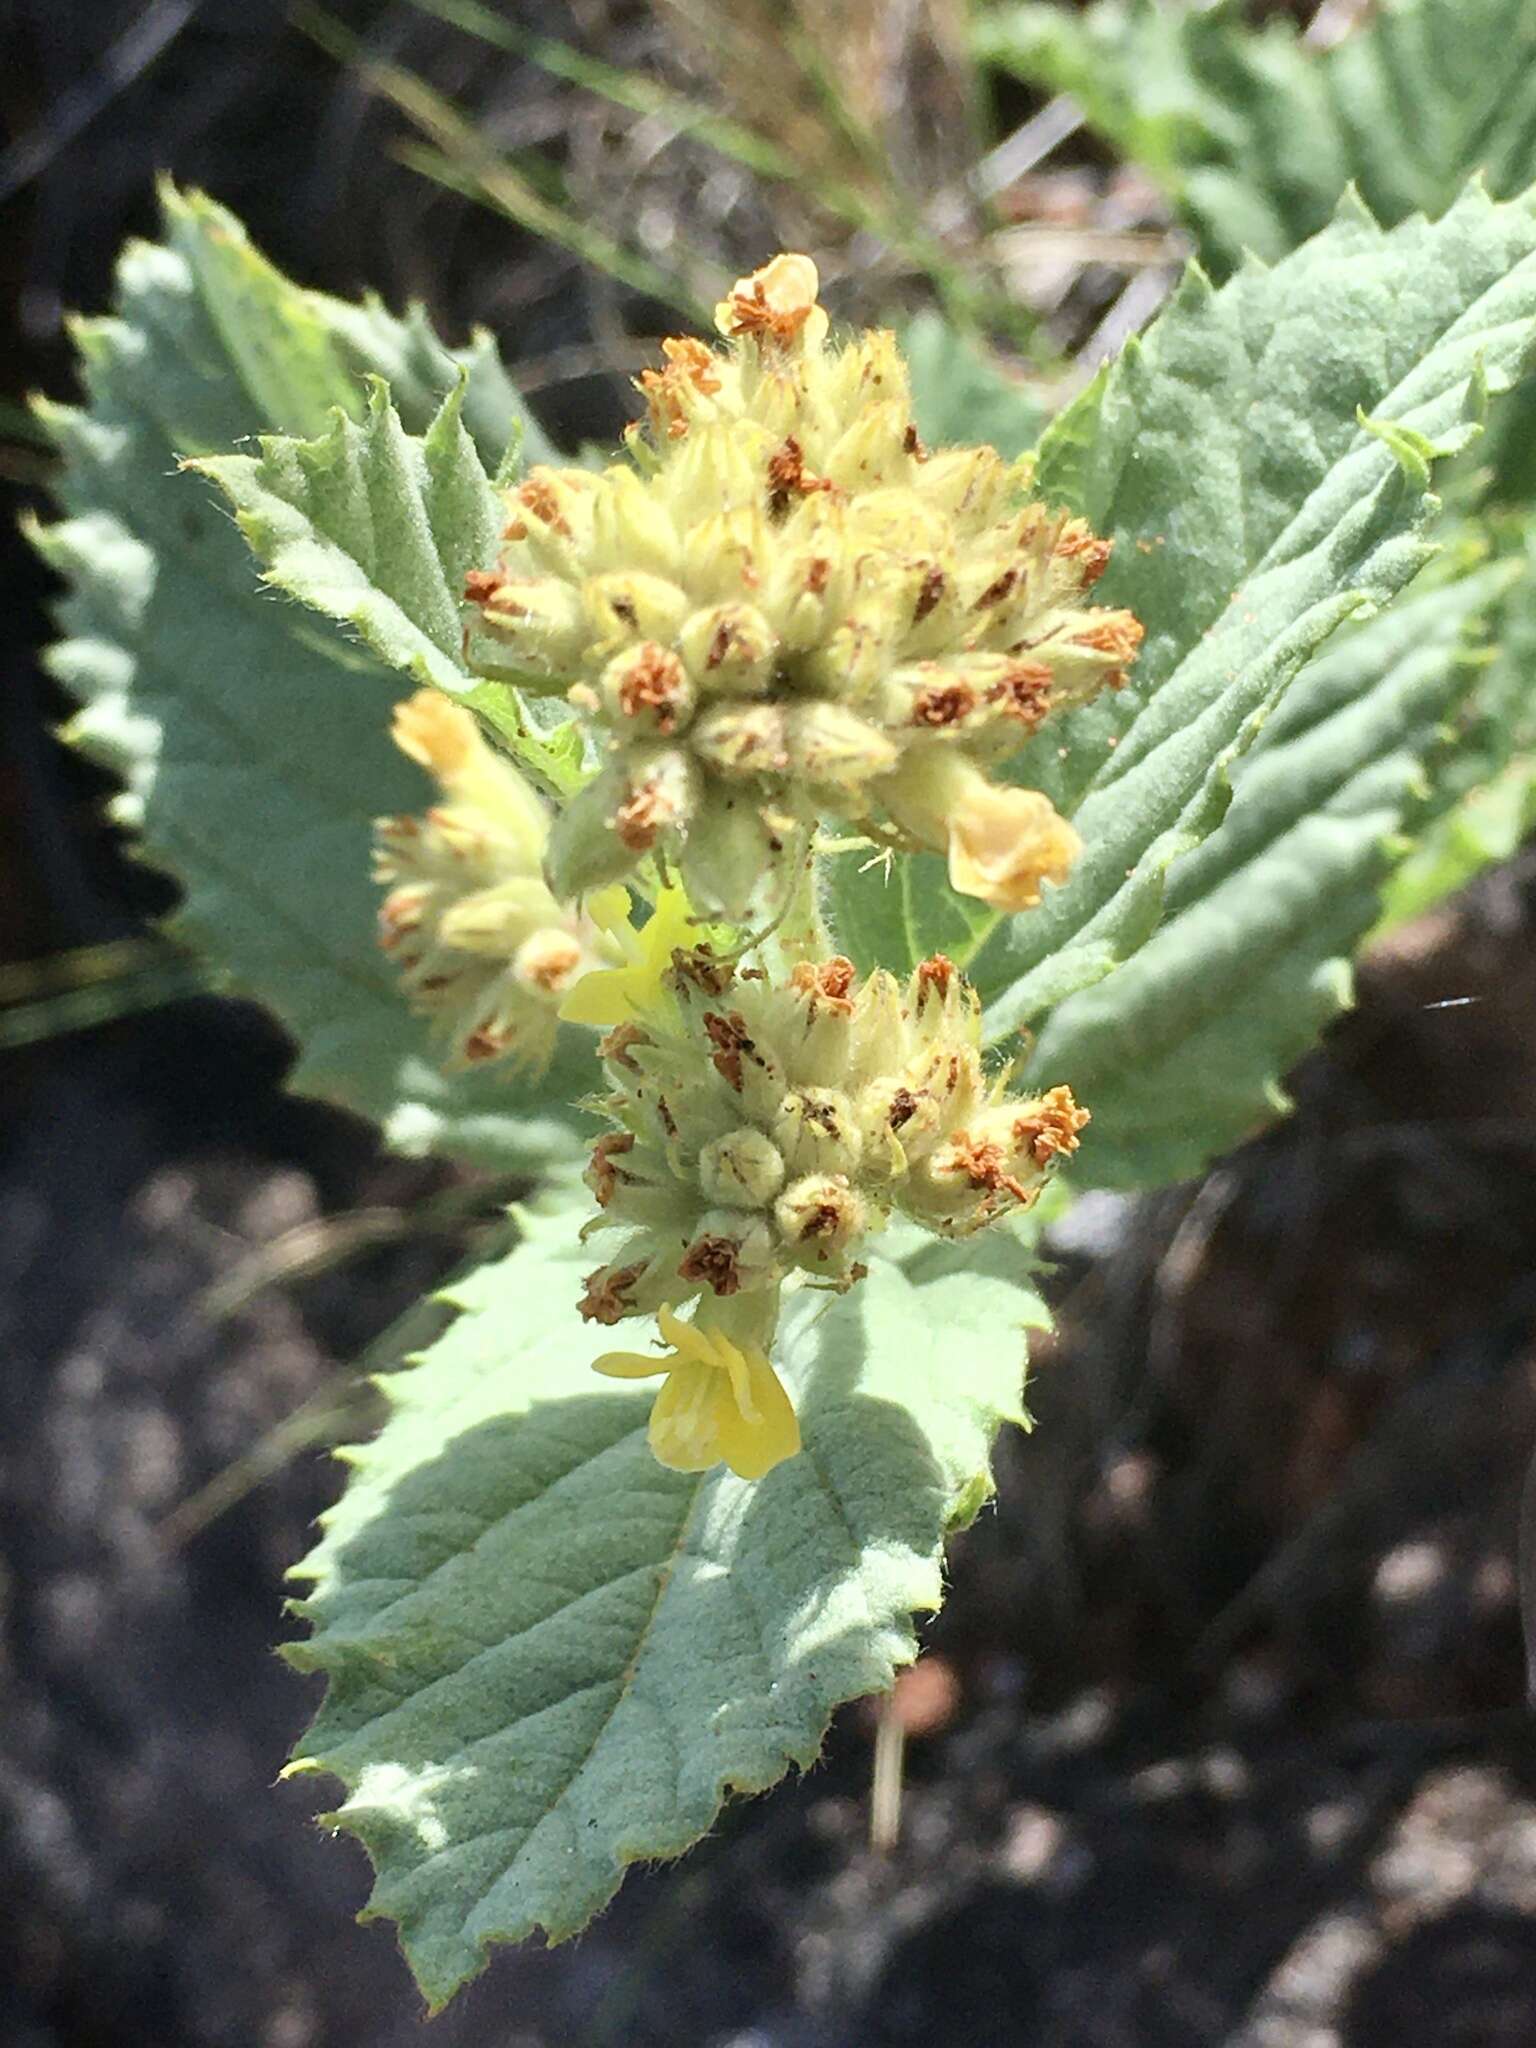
1255	135
962	393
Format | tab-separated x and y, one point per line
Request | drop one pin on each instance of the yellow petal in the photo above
686	1339
752	1448
630	1365
684	1434
669	926
1005	843
609	909
600	998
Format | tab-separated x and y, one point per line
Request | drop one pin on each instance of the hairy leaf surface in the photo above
550	1658
1182	1050
1483	801
1238	457
251	736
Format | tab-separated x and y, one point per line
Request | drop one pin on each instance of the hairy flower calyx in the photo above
765	1131
481	944
783	607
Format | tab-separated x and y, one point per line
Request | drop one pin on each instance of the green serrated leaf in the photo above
250	736
550	1658
1482	805
1253	515
373	529
1255	134
1181	1050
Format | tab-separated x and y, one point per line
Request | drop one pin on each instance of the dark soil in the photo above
1221	1736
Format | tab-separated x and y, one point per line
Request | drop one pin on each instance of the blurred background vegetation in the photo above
1219	1739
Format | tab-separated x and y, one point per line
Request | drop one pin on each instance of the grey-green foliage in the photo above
1255	135
1483	798
1181	1050
251	736
549	1657
1239	455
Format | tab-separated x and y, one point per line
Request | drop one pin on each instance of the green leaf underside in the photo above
251	736
1256	135
1182	1049
1253	514
550	1658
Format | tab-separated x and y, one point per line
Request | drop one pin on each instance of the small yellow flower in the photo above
1003	842
481	944
720	1402
1006	844
625	994
775	303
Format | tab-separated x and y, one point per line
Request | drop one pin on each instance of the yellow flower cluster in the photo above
481	944
785	607
764	1131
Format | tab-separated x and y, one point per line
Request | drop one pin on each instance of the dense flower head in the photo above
481	944
765	1130
783	607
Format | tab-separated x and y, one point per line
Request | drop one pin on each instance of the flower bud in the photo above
731	1252
898	1124
542	616
828	744
815	1131
729	649
548	962
819	1217
996	1161
631	606
584	850
482	945
646	689
728	852
629	526
743	740
626	1286
744	1169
